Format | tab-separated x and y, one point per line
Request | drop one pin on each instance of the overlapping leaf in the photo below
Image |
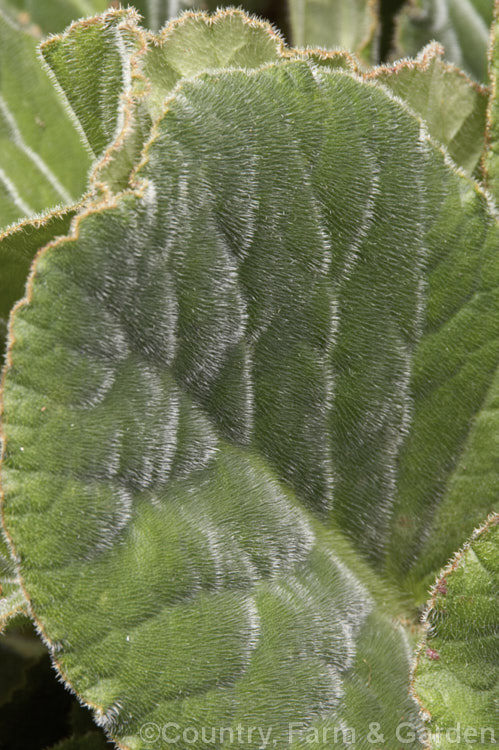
105	44
457	675
451	105
18	247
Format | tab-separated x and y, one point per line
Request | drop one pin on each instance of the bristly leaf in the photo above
491	155
91	63
262	363
451	105
457	674
18	247
197	42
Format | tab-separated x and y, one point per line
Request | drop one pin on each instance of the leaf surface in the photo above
197	42
43	162
265	570
457	674
91	63
461	26
333	23
452	106
236	381
18	247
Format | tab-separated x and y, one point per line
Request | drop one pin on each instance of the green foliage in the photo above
18	247
451	105
457	670
252	384
462	26
44	162
321	23
51	16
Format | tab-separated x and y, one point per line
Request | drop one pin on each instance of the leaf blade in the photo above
461	27
456	673
185	341
328	25
451	105
38	170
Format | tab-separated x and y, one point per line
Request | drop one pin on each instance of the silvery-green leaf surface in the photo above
246	390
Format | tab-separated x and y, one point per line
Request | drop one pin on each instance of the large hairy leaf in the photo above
262	362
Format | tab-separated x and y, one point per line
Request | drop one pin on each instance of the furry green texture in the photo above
458	666
249	388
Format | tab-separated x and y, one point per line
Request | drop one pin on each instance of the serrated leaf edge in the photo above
429	53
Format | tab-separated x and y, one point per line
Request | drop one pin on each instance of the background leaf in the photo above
29	688
51	16
157	13
18	247
89	741
461	26
333	23
43	162
452	106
